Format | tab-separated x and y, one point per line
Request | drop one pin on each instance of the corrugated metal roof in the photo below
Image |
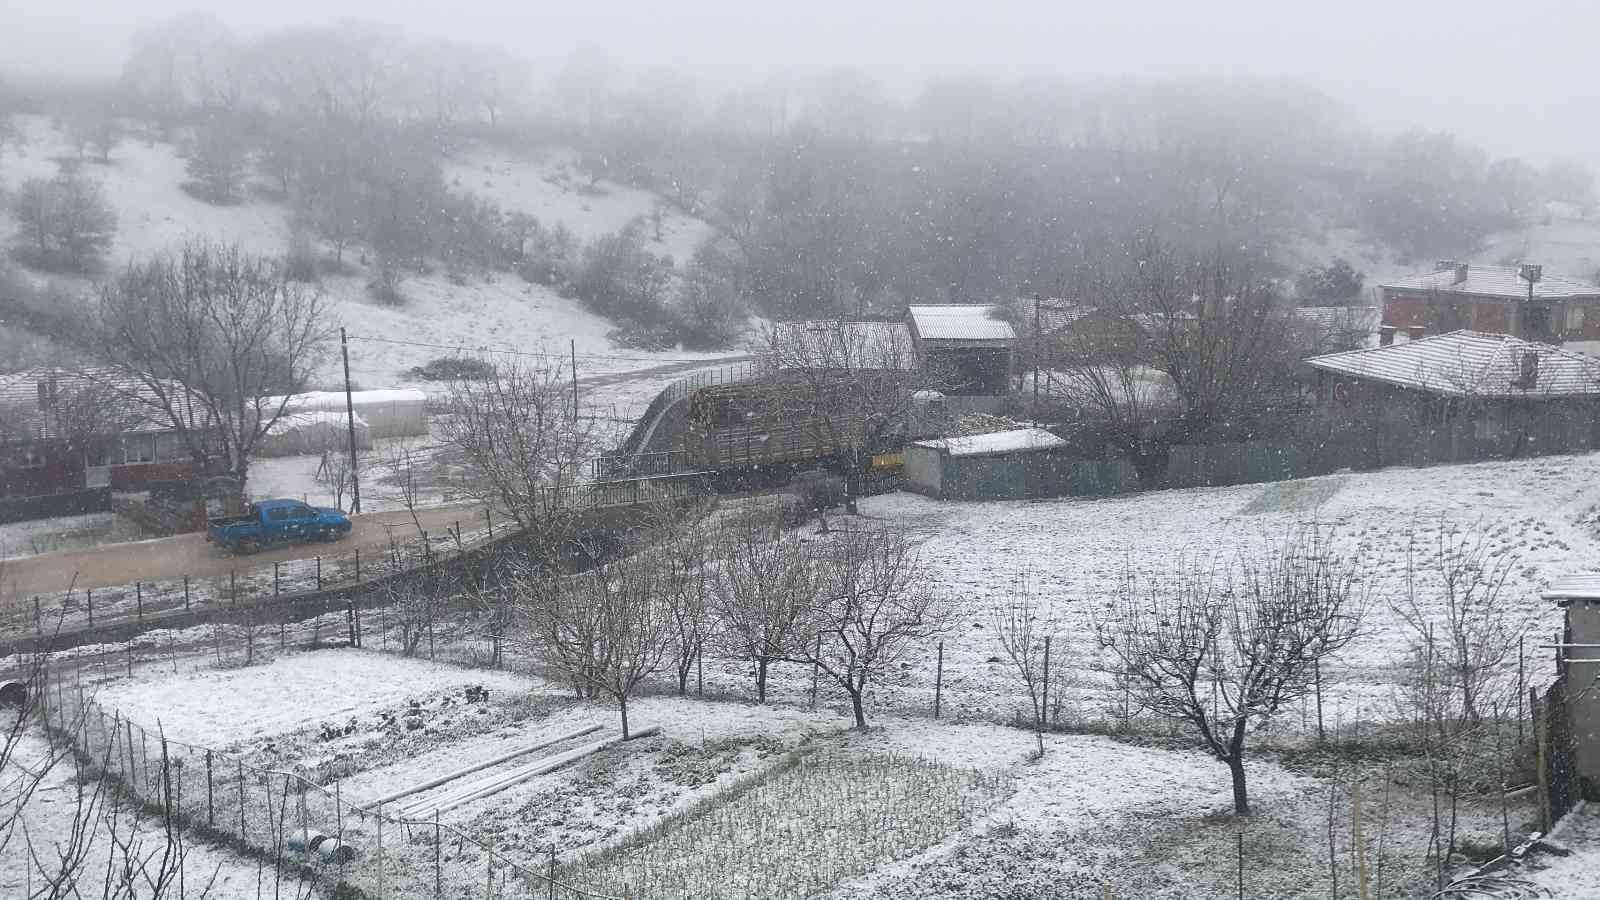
1053	314
830	344
124	404
1017	440
1497	281
1577	586
1470	363
960	323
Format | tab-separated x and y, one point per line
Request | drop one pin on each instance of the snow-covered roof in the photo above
1052	314
959	323
1341	318
1018	440
335	400
1471	363
832	344
1577	586
102	400
1496	281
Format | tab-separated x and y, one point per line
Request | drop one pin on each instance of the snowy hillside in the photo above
499	311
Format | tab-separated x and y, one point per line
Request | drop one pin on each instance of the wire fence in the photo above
306	830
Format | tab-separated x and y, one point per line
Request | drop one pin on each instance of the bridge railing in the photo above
683	387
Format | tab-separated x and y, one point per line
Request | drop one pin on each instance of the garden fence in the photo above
305	830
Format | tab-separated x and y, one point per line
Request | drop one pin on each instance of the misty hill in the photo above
143	183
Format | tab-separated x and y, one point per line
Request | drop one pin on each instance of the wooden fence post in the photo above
233	586
379	860
319	573
1541	737
358	563
88	593
185	593
138	599
275	581
938	681
241	803
211	806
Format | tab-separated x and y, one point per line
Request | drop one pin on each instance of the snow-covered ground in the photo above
1577	876
1143	820
1542	512
499	311
65	533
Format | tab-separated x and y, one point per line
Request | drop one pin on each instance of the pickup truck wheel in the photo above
328	535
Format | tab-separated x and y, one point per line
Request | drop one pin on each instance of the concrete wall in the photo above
1583	620
924	470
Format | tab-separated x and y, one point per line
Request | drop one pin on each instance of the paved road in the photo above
192	555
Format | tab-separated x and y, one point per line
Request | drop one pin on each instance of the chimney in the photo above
1461	273
1386	335
1444	265
1415	332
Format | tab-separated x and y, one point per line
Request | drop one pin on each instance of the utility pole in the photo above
350	419
1037	301
573	342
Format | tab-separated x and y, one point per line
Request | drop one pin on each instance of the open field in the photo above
914	807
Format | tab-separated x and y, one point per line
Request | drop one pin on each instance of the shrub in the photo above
636	335
64	222
454	368
300	261
817	491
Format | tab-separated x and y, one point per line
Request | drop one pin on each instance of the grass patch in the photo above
1305	495
817	817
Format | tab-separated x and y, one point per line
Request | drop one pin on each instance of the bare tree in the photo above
1459	645
766	586
215	342
400	462
1024	630
874	604
608	629
846	385
1223	645
524	444
686	558
1202	339
334	474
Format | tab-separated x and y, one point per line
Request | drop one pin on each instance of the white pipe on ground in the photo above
478	767
495	785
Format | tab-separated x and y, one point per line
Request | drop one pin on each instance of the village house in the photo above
1465	394
1491	299
65	432
969	346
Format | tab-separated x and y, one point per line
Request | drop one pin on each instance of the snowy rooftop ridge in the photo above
1496	281
1470	363
1014	441
1577	586
959	322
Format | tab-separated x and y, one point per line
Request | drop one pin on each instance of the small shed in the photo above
968	347
1002	465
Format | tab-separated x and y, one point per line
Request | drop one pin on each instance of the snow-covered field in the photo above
1542	512
1093	813
65	533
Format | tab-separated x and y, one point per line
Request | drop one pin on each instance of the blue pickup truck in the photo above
277	522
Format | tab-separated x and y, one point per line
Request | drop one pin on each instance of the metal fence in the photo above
308	831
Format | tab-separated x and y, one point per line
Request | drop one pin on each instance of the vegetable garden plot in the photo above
794	831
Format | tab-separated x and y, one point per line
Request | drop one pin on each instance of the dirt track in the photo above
192	555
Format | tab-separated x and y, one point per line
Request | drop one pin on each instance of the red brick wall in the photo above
57	476
1493	318
1403	311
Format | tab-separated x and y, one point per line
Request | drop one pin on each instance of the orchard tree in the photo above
874	603
766	586
218	162
523	441
215	340
1223	645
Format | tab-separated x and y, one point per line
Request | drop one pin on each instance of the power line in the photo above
506	351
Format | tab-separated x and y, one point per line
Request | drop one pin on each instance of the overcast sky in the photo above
1518	77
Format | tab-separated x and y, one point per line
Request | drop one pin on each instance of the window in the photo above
278	514
138	448
27	457
1575	317
301	512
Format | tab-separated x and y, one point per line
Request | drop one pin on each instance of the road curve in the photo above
190	554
